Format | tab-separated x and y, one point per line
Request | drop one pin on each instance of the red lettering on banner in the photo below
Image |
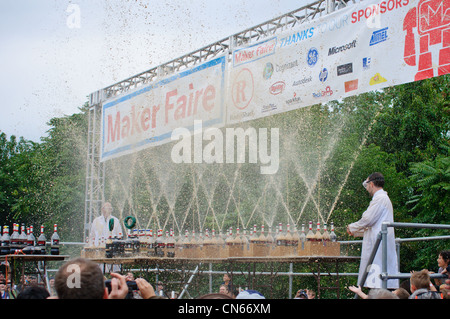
243	56
188	105
208	96
376	9
125	126
145	118
169	106
135	125
121	127
113	130
239	87
242	89
155	110
254	52
277	88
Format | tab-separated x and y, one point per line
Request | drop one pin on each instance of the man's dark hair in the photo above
91	281
34	292
445	255
377	179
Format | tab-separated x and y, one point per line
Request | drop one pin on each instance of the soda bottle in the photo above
195	248
186	245
280	242
143	246
120	246
289	236
318	235
159	245
31	240
41	242
5	242
221	245
54	248
128	245
14	240
295	240
136	242
333	236
310	234
22	236
326	235
262	236
108	247
27	249
262	244
270	240
303	237
170	245
242	243
151	244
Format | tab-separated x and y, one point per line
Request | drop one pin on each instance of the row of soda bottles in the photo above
143	243
25	242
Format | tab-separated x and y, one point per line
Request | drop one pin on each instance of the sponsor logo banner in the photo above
364	47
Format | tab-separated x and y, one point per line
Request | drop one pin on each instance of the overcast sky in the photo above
54	53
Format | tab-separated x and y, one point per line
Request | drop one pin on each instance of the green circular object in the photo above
127	222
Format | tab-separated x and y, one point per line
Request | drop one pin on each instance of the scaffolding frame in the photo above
95	169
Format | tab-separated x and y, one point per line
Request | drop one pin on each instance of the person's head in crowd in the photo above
34	292
381	294
223	289
401	293
215	296
82	278
420	280
129	276
444	261
250	294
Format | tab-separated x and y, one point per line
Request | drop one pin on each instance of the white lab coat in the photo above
379	210
100	228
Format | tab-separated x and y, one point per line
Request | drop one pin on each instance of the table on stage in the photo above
13	259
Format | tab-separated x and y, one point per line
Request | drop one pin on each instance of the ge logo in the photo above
242	89
323	75
313	56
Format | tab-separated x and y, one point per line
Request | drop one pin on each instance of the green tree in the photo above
414	121
44	183
431	204
15	184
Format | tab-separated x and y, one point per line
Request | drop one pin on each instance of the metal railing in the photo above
382	239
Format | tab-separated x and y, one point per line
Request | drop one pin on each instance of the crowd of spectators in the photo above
83	279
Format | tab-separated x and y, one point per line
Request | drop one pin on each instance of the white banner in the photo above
361	48
147	116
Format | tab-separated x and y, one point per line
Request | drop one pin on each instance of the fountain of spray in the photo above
160	193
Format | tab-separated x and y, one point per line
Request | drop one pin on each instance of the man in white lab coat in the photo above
100	226
379	210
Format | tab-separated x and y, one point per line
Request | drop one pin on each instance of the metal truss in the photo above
288	20
95	170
